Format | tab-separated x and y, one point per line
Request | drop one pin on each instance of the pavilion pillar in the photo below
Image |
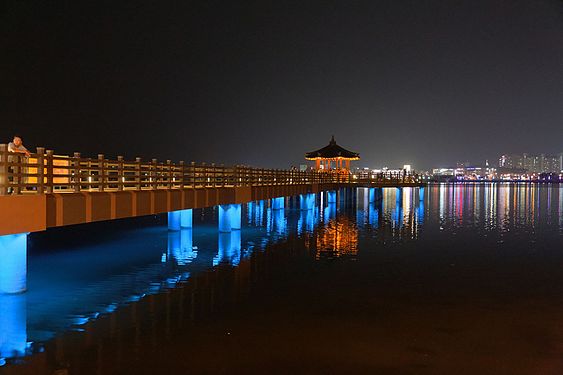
318	164
13	263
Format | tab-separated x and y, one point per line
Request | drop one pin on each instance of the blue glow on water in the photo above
420	212
250	207
371	195
329	212
68	287
229	248
13	264
373	217
259	214
306	221
279	221
13	325
180	247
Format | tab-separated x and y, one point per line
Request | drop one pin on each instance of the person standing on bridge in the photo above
17	147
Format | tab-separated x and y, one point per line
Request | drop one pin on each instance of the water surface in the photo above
461	279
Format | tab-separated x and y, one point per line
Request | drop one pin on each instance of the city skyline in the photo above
396	81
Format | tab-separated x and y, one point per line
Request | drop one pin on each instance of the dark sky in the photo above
424	82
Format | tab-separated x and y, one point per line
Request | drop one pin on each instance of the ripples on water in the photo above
99	296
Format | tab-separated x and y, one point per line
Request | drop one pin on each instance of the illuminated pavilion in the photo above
332	157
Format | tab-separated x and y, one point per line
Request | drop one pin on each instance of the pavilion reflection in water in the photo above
338	238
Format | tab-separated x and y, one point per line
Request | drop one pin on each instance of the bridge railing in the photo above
45	172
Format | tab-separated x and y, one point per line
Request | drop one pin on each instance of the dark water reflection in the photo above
458	278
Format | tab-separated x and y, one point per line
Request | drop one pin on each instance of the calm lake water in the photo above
465	279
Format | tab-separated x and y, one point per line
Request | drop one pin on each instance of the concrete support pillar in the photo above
421	193
250	211
236	216
307	201
371	195
331	197
13	325
278	203
174	220
230	217
13	263
186	218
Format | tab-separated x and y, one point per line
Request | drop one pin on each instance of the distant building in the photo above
539	163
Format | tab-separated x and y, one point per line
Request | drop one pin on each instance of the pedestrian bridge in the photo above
47	190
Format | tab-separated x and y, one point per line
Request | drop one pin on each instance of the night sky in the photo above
422	82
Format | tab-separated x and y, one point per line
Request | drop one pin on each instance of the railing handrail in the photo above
45	172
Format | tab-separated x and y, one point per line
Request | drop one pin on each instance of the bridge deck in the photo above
46	190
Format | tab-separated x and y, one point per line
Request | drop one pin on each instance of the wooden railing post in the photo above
213	175
4	171
154	174
120	174
170	173
205	176
49	183
192	174
182	167
40	170
138	173
101	172
223	174
77	178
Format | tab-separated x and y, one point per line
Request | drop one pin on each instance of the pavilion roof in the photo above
332	151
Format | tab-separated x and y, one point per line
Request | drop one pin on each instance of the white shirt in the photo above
13	148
